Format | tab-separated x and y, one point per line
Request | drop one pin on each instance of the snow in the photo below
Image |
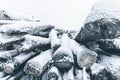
78	73
64	50
32	41
85	57
8	54
5	39
2	74
40	61
5	78
96	68
54	70
116	42
112	64
55	41
44	58
84	74
22	26
64	77
23	57
30	38
17	16
70	75
76	47
104	9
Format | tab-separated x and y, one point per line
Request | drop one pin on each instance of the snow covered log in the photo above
7	42
110	45
12	65
8	54
37	65
32	43
99	29
2	74
85	76
16	76
55	41
5	78
112	64
21	28
53	73
85	57
99	72
63	57
78	74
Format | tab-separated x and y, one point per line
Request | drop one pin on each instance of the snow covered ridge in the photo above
5	15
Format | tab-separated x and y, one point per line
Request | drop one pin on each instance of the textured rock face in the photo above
106	28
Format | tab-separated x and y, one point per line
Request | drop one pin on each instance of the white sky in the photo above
67	13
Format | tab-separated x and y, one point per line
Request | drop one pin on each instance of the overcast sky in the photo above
57	12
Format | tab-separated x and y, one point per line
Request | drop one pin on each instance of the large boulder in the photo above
106	28
102	22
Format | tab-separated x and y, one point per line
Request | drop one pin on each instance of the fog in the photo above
65	13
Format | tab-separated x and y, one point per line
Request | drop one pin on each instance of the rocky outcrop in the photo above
106	28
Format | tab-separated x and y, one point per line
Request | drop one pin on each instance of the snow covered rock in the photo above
104	9
106	28
102	22
99	72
